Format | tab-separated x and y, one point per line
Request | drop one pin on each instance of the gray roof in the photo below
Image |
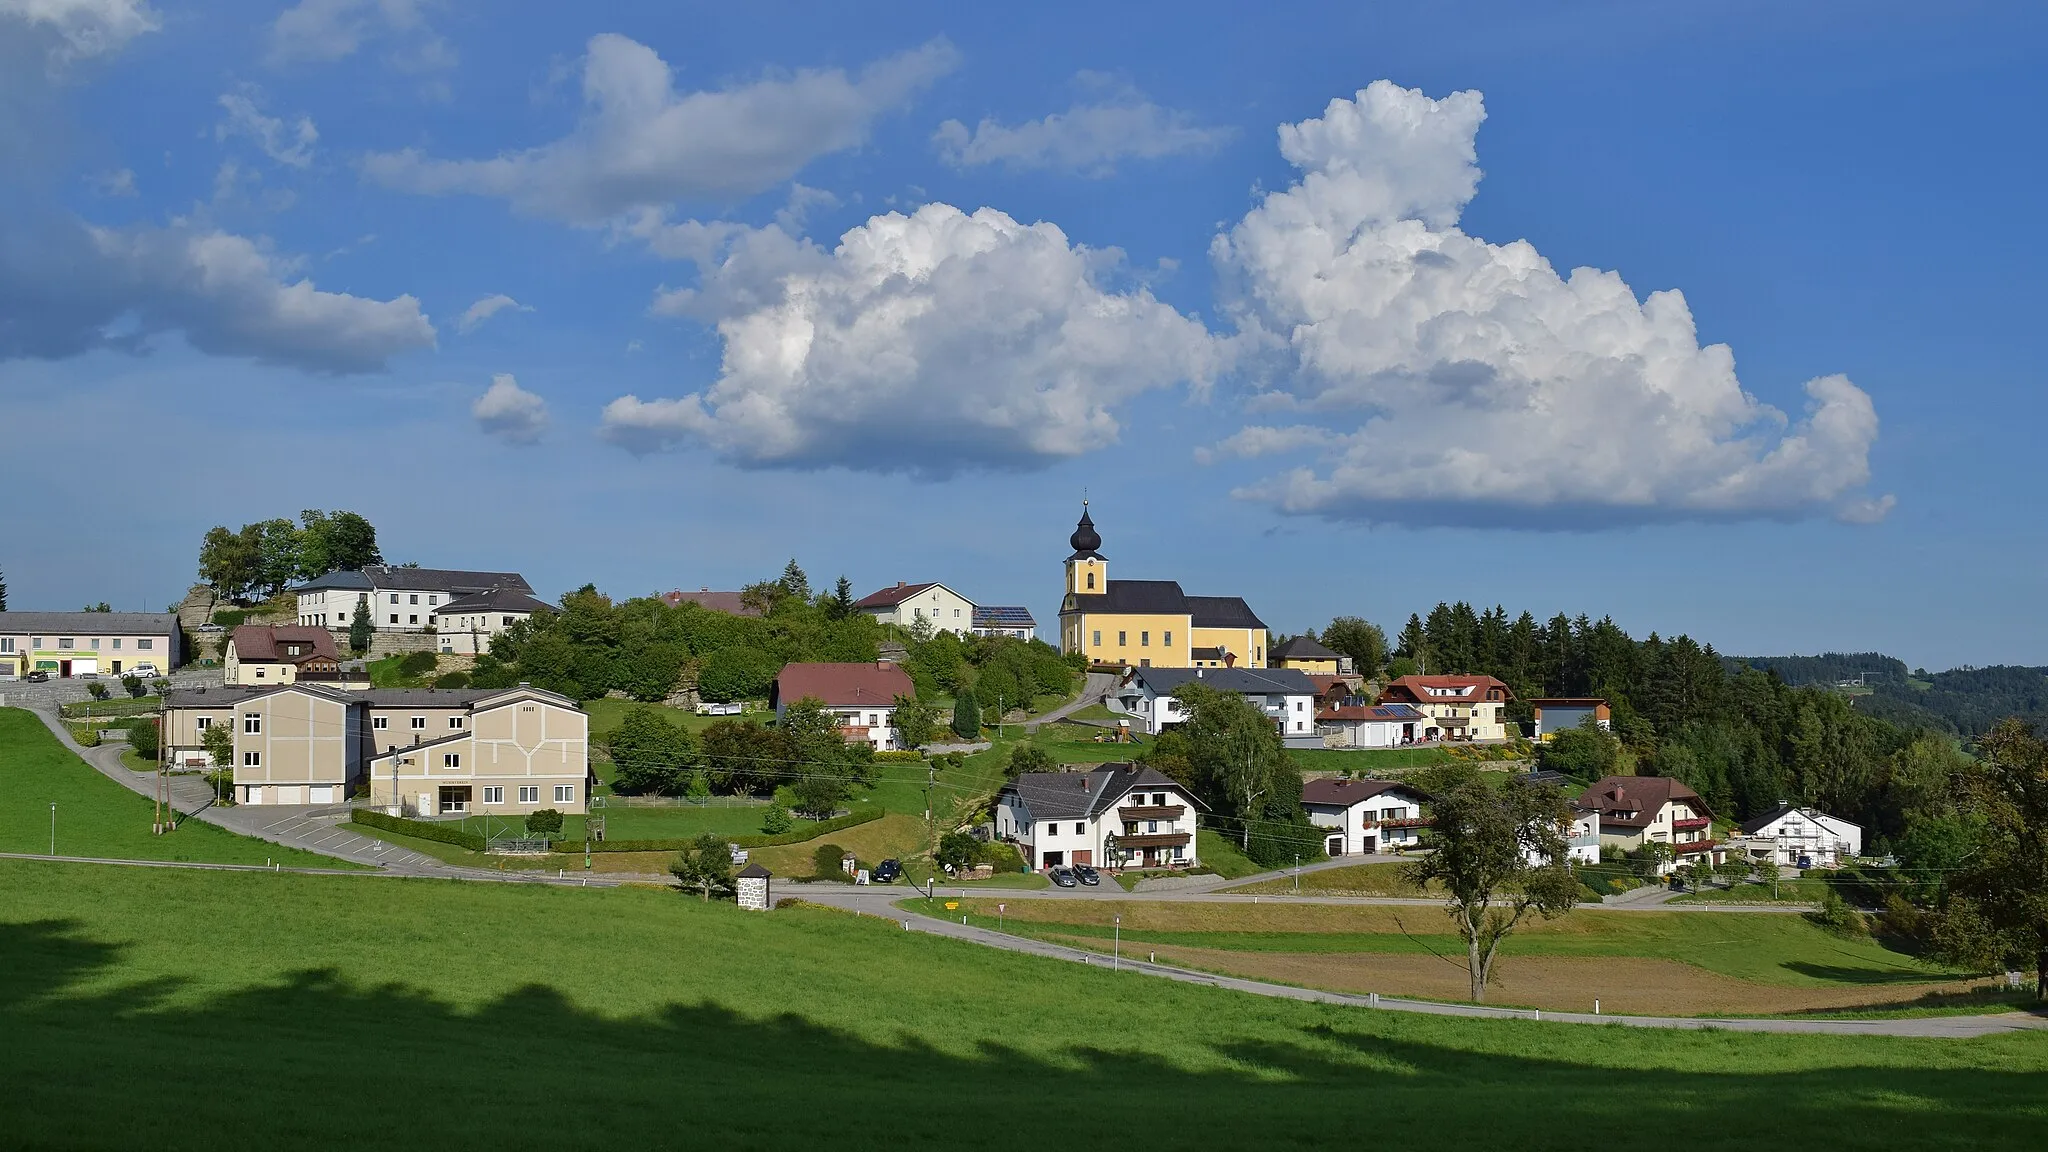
91	623
495	600
1248	681
424	697
1222	612
1303	648
227	696
419	580
1067	795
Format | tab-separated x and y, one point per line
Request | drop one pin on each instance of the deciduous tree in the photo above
1484	840
1997	904
651	754
917	721
705	865
1359	639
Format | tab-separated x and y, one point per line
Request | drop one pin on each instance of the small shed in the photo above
753	891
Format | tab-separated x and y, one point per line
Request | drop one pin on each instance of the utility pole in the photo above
53	827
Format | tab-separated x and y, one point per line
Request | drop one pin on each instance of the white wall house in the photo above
1286	696
1361	817
1797	837
862	696
904	604
400	599
1117	816
1369	725
466	624
1581	838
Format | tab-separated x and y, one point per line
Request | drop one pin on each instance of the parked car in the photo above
887	872
1087	875
1063	877
145	670
39	676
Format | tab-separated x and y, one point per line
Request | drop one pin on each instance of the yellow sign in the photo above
952	904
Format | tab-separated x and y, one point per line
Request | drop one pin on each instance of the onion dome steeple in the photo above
1085	539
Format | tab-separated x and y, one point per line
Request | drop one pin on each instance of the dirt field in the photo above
1622	984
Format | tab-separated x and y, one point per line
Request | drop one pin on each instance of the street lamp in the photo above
1116	945
1297	873
53	827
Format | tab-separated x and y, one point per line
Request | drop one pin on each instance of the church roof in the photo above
1085	538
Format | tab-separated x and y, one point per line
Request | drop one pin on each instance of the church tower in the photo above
1087	571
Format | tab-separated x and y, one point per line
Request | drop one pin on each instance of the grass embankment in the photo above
1368	759
1664	963
619	1000
1797	890
1351	880
97	817
116	706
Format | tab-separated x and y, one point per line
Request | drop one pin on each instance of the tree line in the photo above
265	558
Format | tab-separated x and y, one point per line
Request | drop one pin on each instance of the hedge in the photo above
423	829
861	814
900	756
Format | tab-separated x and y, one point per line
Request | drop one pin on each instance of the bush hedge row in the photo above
861	814
423	829
900	756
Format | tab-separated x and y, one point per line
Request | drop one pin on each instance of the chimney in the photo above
899	584
1198	673
1084	783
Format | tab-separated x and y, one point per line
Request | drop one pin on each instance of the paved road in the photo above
51	693
1093	687
1952	1027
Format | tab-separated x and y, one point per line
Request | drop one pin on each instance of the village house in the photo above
66	644
1369	725
1581	838
466	624
1796	837
1554	714
1364	816
941	608
1116	816
1005	620
730	603
1306	655
1285	696
1455	707
260	655
1150	623
861	696
1639	810
399	599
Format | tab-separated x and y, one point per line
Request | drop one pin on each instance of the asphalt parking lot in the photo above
49	695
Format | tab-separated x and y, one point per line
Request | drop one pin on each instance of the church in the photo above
1150	623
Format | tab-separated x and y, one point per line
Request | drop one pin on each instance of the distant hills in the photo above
1963	701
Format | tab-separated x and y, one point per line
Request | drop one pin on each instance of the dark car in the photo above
887	872
1087	875
1062	877
39	677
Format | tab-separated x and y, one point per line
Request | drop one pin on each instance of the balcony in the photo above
1151	812
1153	840
1697	846
1690	825
1405	822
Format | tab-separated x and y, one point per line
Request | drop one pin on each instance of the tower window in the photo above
1091	580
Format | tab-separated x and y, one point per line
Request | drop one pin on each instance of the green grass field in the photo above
1351	880
140	1008
1368	759
97	817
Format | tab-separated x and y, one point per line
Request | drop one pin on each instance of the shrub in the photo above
88	736
142	737
417	663
423	829
99	691
544	821
958	849
776	820
230	617
457	679
900	756
825	862
134	685
1835	915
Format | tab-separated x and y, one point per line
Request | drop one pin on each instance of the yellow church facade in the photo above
1150	623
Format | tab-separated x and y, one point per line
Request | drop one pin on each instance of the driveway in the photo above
1094	687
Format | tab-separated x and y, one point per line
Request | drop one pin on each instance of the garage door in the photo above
291	794
82	666
322	794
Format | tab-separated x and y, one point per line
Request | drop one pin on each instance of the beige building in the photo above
1455	707
466	624
903	605
87	644
262	655
427	751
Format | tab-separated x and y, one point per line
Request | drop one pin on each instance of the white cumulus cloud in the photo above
1086	138
929	343
322	31
486	308
640	143
84	28
287	143
510	412
1433	377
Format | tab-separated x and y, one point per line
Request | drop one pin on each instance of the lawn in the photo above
1792	890
606	715
654	1020
1368	759
97	817
1350	880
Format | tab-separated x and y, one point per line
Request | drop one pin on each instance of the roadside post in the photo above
1116	946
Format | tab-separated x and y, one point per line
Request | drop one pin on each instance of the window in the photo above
252	759
494	795
259	673
1159	799
205	722
1176	852
1052	829
252	722
529	794
1166	638
1098	638
1091	581
6	643
508	621
1122	638
94	644
1144	639
380	722
565	793
117	643
413	619
455	721
64	642
433	600
394	600
414	600
451	760
1298	705
419	722
1151	825
394	615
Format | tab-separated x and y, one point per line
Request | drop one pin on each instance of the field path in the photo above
862	901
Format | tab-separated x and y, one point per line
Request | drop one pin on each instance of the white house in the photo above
1285	695
1581	838
937	604
399	599
1364	816
1005	620
467	623
1369	725
1117	816
1799	838
862	697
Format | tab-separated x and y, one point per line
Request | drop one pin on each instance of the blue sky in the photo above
1302	336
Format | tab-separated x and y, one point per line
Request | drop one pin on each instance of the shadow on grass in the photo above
318	1060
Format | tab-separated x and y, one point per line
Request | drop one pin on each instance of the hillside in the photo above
1961	701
